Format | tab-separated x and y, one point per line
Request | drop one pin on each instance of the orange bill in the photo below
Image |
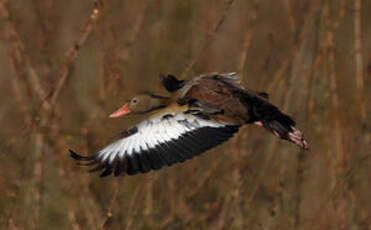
124	110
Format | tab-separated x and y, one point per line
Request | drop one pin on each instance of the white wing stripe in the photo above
158	142
154	132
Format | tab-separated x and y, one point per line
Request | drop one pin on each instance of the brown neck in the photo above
156	102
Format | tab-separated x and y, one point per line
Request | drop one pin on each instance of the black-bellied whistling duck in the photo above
200	114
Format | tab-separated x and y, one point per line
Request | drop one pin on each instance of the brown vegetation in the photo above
65	65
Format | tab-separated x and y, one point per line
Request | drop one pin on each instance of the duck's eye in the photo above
134	101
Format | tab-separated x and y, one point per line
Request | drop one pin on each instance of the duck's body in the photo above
200	114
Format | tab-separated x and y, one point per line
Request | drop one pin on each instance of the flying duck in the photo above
199	114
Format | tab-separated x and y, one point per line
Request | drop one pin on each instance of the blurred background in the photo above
66	65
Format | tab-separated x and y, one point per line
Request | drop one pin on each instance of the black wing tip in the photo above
106	173
76	156
79	157
171	83
108	169
91	160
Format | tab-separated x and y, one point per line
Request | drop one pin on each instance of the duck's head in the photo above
141	103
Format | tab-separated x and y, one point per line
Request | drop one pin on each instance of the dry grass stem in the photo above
210	35
359	58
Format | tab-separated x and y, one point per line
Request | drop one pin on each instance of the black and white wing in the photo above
159	141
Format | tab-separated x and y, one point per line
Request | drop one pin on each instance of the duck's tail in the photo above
283	127
264	114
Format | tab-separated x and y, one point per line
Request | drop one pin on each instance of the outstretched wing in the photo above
160	141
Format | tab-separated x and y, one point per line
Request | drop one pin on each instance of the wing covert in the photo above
161	141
